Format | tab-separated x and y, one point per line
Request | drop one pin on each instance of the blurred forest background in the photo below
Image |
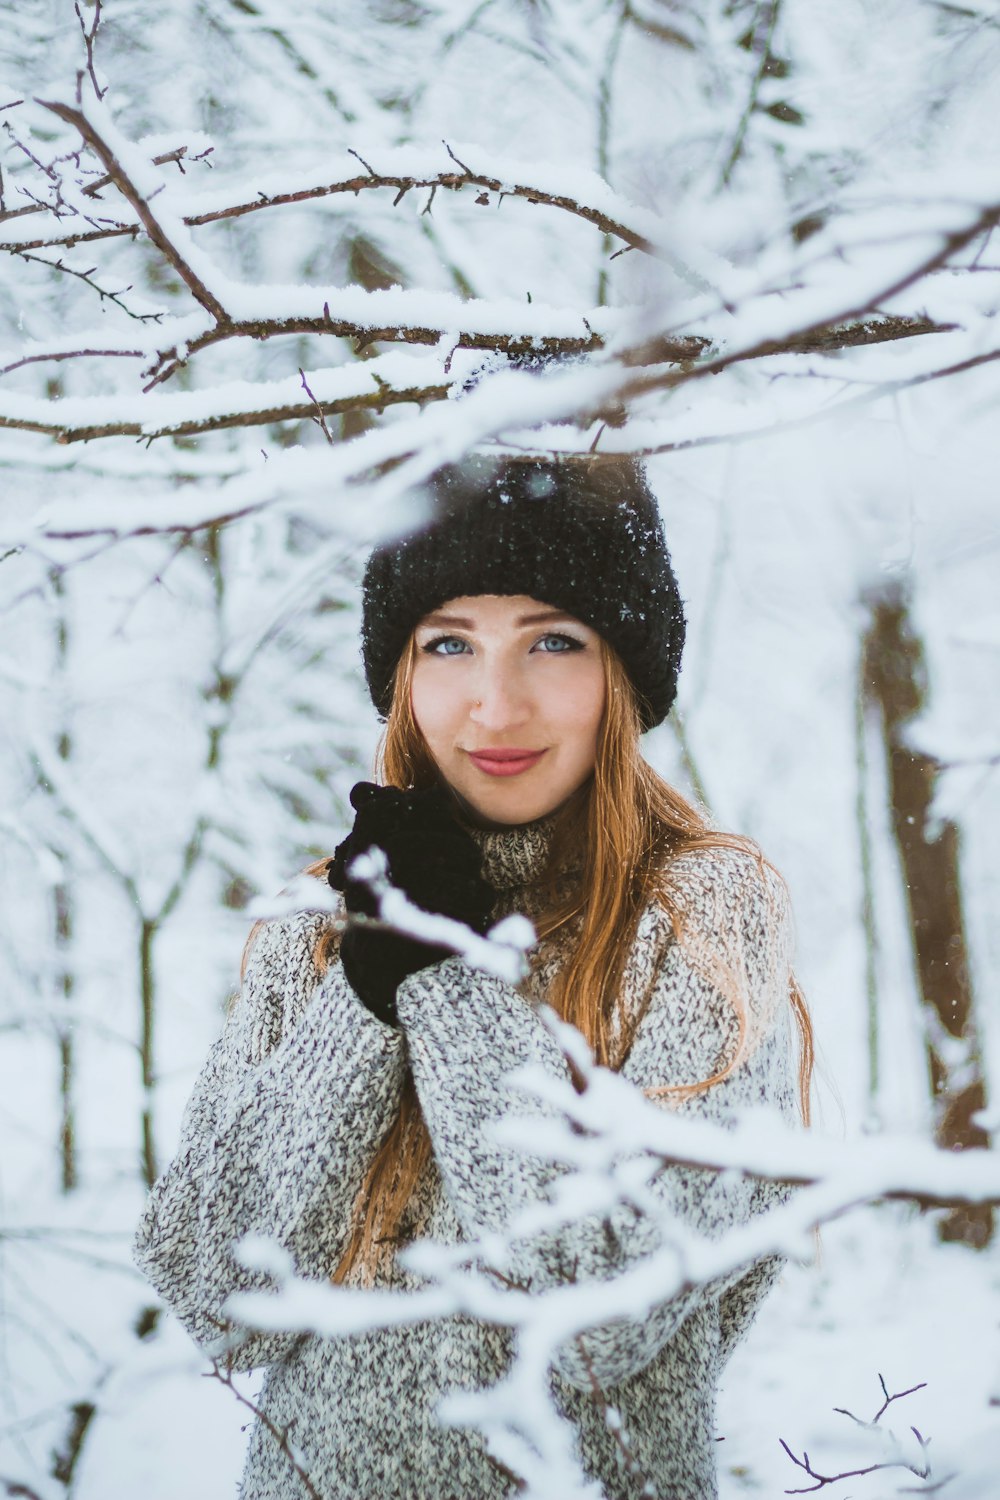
250	256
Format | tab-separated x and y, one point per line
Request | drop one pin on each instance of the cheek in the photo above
431	702
579	704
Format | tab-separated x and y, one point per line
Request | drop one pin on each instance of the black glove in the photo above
431	859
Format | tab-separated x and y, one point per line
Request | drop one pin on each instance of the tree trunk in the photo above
894	678
147	1007
63	925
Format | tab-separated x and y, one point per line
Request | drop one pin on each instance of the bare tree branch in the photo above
952	243
179	155
921	1471
287	411
280	1434
57	356
87	277
400	183
89	38
128	189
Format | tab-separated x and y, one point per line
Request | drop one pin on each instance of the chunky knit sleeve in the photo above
282	1123
467	1030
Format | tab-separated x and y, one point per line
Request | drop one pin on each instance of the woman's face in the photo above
496	674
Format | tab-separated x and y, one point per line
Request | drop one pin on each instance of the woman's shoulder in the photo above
722	913
290	939
725	889
740	869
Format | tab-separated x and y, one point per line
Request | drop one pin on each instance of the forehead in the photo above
492	611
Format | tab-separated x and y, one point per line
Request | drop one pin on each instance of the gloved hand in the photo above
431	859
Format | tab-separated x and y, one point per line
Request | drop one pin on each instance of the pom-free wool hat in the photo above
581	536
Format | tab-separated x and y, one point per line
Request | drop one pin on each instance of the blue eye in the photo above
565	643
453	645
444	640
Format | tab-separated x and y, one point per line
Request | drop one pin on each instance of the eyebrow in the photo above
463	624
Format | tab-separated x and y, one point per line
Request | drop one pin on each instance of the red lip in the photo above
504	762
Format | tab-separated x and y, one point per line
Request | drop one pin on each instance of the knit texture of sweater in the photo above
294	1100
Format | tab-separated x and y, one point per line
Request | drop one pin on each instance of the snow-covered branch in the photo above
610	1111
360	387
501	952
400	169
138	182
838	293
608	1145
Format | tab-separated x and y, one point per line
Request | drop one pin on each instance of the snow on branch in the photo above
402	170
609	1109
609	1146
138	182
500	952
18	239
841	291
372	386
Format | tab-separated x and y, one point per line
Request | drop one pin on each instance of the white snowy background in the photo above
182	706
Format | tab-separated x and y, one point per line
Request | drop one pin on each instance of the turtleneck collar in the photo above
514	856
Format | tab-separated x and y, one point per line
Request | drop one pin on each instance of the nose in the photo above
499	700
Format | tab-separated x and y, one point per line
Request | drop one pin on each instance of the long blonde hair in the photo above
628	819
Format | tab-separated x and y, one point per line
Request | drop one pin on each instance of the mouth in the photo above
505	762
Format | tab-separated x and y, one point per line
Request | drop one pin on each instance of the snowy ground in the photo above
886	1299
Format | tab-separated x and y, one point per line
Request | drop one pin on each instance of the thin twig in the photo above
822	1480
57	356
618	1434
18	1491
88	278
320	414
91	190
279	1434
89	38
898	1396
48	171
774	7
129	191
971	760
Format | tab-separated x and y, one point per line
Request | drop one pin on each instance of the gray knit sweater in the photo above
294	1099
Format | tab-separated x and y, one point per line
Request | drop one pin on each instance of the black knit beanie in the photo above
582	537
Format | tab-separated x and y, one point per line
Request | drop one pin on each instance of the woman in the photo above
517	646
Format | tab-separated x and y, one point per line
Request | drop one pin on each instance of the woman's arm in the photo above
285	1116
467	1030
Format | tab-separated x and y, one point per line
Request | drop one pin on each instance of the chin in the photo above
507	812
